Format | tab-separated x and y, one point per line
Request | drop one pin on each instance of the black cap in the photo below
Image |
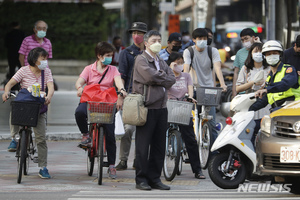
138	26
175	37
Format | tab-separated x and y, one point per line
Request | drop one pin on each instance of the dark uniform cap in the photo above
175	37
138	26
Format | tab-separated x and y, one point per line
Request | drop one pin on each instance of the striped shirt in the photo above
27	78
30	42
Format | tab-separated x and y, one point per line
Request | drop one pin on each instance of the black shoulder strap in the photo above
103	75
43	80
191	50
209	51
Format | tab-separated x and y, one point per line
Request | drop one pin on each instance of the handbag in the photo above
93	92
134	110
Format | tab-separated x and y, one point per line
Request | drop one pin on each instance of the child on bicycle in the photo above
27	76
184	85
91	75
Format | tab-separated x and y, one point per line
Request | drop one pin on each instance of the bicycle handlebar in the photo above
10	95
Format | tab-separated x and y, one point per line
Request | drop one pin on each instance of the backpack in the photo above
209	49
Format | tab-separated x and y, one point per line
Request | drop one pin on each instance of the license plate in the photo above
290	154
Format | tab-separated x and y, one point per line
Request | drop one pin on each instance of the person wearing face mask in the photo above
92	74
292	55
248	38
117	42
150	139
184	85
200	67
186	40
27	76
281	83
38	39
126	62
252	77
174	45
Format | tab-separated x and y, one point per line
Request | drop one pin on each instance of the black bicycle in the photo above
25	114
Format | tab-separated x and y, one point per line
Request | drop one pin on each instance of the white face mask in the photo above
273	59
185	38
257	57
156	47
201	44
247	44
43	65
178	68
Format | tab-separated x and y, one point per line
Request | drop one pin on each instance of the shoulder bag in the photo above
134	110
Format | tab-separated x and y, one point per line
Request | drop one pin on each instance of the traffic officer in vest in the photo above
281	83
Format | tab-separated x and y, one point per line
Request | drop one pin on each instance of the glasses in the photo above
41	28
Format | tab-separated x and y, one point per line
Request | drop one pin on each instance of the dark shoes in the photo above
200	175
121	166
143	186
160	186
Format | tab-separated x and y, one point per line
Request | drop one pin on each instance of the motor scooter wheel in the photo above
225	180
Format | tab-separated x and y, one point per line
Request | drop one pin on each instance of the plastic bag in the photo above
119	126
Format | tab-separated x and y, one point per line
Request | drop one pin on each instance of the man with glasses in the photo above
37	39
126	62
248	38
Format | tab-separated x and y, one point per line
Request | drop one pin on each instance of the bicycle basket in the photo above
101	112
208	96
25	113
179	112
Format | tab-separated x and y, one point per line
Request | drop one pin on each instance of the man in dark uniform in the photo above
292	55
126	62
13	41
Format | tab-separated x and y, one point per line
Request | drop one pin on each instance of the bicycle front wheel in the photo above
100	155
22	155
93	132
205	145
172	156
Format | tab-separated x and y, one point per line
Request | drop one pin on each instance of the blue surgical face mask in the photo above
107	60
43	65
201	44
41	34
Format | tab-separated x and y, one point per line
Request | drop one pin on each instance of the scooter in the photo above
234	156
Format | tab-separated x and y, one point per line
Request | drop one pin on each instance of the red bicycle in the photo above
98	113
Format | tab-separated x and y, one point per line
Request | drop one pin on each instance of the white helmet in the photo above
271	45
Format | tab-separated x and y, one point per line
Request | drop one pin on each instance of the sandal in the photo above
200	175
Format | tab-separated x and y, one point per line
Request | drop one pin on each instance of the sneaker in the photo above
122	165
12	146
44	173
86	140
112	172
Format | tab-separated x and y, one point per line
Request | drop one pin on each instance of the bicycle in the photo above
179	112
98	113
25	114
207	97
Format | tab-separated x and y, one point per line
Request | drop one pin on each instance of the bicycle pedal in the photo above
35	159
83	146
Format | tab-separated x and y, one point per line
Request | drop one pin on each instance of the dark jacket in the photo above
158	81
126	62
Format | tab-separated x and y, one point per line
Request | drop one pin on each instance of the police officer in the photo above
282	81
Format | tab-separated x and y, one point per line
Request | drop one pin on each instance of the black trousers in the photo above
111	147
188	136
150	142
